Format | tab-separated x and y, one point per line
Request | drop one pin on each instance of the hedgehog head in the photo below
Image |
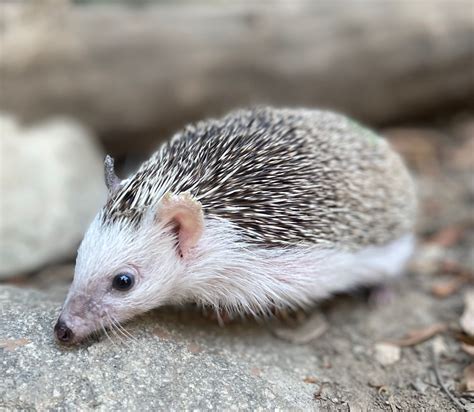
126	267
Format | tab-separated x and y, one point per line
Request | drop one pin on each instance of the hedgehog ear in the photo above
111	180
186	212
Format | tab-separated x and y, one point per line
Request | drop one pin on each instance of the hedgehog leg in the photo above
381	295
289	316
221	316
314	326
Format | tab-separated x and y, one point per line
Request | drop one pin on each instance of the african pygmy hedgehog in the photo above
261	210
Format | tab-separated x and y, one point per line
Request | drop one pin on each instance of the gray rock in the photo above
171	365
51	183
179	360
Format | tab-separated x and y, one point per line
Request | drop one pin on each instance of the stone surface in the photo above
179	360
51	185
171	364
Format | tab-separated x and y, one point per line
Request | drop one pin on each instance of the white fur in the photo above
239	277
222	271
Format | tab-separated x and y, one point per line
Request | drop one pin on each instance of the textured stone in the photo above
179	360
51	185
174	365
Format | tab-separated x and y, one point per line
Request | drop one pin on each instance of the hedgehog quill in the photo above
264	209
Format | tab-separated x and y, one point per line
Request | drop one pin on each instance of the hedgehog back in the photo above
283	177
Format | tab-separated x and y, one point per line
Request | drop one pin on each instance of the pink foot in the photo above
381	295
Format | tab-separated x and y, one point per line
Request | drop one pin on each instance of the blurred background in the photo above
83	78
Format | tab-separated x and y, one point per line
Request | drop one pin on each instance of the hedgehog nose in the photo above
63	333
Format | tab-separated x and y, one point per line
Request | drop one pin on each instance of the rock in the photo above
179	360
194	365
467	318
56	278
387	354
52	186
439	346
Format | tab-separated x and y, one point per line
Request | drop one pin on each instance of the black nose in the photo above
63	333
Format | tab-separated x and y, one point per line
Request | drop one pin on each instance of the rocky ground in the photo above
409	354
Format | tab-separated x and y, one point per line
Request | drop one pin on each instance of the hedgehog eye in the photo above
123	281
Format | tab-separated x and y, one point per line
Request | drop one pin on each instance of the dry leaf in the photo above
387	354
418	147
459	276
415	337
463	337
461	157
311	329
450	267
469	349
310	379
447	288
11	344
468	381
467	318
448	236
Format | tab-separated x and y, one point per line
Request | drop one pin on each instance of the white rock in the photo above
51	186
387	354
467	318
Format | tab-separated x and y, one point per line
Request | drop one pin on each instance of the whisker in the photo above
117	326
117	332
122	329
126	332
106	334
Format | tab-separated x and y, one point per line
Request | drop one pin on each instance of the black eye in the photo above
123	281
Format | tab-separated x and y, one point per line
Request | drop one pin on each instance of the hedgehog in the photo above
262	210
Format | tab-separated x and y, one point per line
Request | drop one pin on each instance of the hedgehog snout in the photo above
80	316
63	333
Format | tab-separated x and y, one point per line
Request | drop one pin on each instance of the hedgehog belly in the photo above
257	280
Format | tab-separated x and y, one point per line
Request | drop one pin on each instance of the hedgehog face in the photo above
123	270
